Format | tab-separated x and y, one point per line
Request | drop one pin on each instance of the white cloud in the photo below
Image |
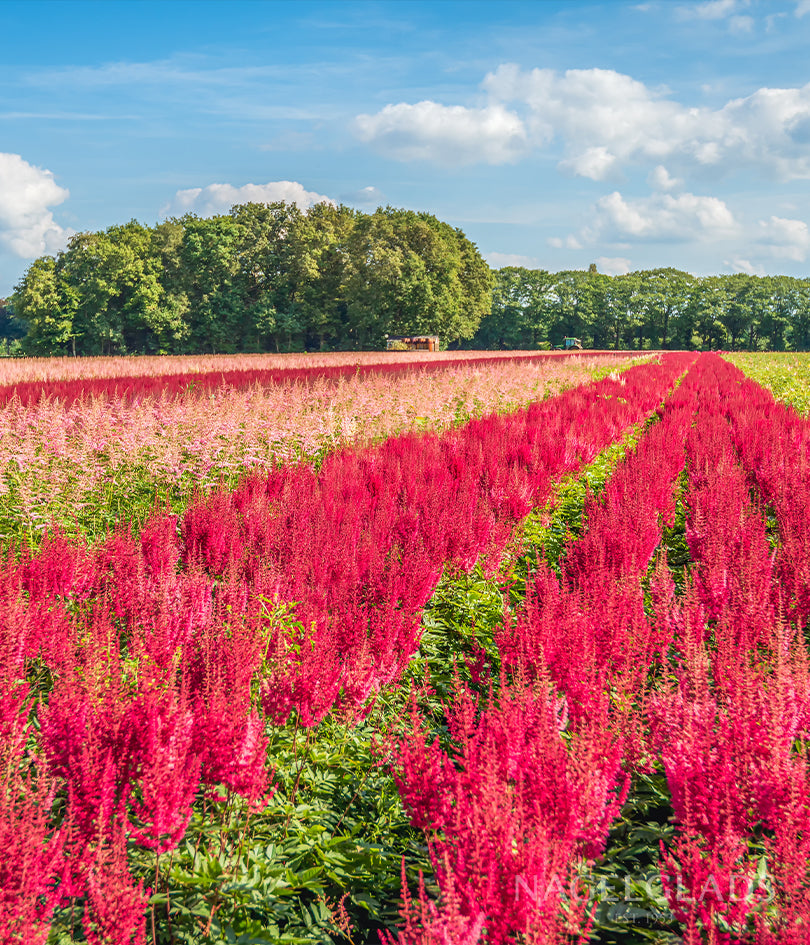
709	10
219	198
803	8
27	226
661	179
741	24
719	10
785	239
745	265
600	121
660	217
445	134
605	119
500	260
613	265
366	197
567	242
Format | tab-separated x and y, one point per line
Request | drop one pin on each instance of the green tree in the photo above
783	311
799	332
575	299
209	260
705	309
321	268
43	305
519	313
664	295
619	309
412	274
264	281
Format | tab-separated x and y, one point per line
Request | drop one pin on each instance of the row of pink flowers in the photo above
25	370
57	459
139	387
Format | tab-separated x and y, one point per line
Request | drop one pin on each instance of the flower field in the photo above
91	460
508	651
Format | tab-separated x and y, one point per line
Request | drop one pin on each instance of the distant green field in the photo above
787	375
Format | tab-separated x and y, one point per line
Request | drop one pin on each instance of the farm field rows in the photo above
95	460
552	658
57	370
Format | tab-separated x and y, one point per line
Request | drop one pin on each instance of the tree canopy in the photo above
271	277
263	277
651	309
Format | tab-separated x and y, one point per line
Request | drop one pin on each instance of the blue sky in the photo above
555	134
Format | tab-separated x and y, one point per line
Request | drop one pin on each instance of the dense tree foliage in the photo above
264	277
270	277
658	308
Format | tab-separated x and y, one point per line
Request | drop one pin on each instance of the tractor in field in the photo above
568	344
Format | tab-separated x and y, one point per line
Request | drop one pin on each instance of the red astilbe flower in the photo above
115	911
512	813
61	568
168	769
14	710
773	443
87	738
588	630
232	745
712	890
709	860
32	862
229	734
726	536
425	923
726	732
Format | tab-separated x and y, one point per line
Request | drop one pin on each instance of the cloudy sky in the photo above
555	134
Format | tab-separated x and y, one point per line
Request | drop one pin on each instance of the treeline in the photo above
269	277
659	308
263	277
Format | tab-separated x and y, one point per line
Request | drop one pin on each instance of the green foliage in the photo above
262	277
327	851
269	277
625	882
653	309
787	376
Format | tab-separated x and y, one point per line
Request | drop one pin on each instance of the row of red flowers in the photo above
151	647
711	682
